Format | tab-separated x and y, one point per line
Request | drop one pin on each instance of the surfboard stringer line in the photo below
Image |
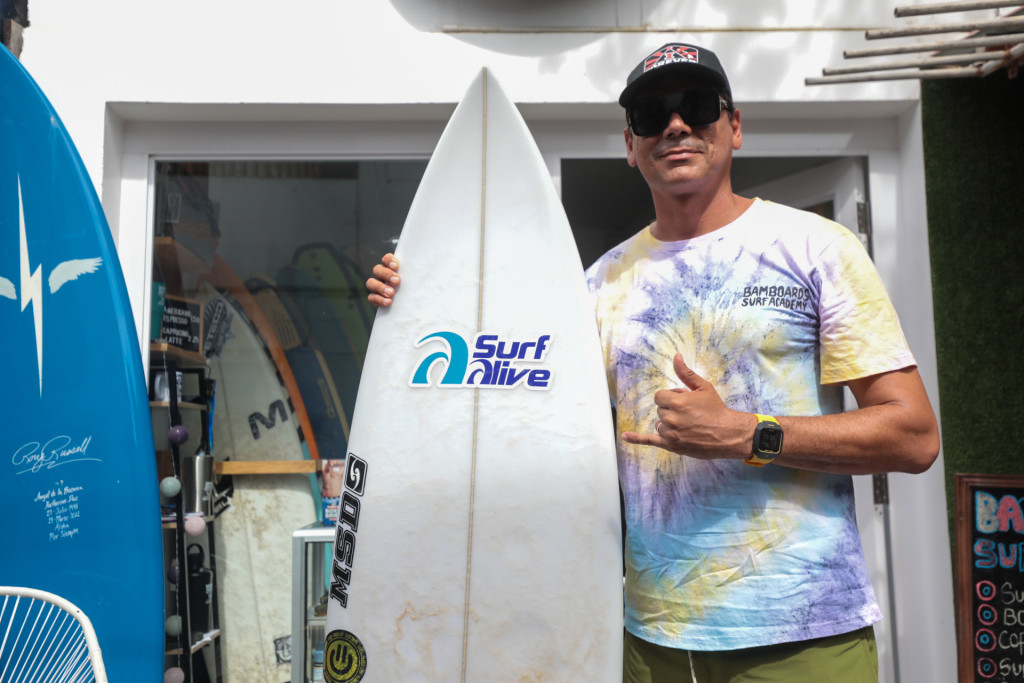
476	392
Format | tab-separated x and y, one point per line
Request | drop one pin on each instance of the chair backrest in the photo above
46	639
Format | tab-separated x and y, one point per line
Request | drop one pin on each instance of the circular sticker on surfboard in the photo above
344	658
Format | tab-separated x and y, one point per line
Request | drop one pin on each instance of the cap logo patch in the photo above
671	54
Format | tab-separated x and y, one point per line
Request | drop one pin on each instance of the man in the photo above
729	326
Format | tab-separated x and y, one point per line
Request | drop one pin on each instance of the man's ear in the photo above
630	157
737	129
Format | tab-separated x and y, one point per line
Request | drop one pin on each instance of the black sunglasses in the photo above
697	107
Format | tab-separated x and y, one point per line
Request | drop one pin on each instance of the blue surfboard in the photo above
78	486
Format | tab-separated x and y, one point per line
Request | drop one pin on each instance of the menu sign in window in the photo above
182	323
990	577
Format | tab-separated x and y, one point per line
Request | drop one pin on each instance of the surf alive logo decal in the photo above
496	362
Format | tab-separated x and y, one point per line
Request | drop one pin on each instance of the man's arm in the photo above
892	430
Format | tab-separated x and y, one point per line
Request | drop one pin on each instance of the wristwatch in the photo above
767	441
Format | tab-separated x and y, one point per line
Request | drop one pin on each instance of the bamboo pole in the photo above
961	72
1012	56
1008	23
926	62
942	7
966	43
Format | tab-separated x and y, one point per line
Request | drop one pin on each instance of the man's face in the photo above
684	159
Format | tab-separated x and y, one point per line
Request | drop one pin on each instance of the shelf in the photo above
207	638
165	524
175	257
235	467
183	372
182	405
163	350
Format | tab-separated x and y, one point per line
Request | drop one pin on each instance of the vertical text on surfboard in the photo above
348	525
496	362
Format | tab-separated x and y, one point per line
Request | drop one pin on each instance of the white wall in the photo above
325	51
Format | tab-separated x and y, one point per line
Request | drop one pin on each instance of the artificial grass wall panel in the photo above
974	172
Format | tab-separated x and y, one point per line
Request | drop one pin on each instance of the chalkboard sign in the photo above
182	323
990	577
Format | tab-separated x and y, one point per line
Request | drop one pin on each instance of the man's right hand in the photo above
384	282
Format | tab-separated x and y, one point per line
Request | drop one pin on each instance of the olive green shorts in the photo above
850	658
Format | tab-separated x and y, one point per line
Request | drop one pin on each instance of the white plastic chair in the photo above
46	639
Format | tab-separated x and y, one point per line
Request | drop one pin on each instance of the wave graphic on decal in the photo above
456	358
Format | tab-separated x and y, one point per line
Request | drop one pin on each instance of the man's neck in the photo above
684	217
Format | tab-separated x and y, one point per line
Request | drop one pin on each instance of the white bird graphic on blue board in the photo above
63	273
31	285
70	270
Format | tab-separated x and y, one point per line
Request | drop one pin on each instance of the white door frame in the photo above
843	182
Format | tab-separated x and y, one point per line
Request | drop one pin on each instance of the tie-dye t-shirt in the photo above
775	310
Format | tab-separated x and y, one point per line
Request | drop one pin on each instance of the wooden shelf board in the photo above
181	356
174	256
207	638
234	467
182	405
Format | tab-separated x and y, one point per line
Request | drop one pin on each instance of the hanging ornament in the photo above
170	487
178	434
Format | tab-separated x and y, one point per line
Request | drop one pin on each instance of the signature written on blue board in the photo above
498	363
60	450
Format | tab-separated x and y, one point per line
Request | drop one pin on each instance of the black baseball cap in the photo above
691	60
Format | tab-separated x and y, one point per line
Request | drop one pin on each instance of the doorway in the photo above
607	201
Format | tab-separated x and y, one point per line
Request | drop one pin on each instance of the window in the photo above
269	259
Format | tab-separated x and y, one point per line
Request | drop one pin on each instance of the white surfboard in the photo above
479	537
253	421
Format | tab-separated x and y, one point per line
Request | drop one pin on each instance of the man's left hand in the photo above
694	421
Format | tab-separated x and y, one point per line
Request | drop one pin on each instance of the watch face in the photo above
769	439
